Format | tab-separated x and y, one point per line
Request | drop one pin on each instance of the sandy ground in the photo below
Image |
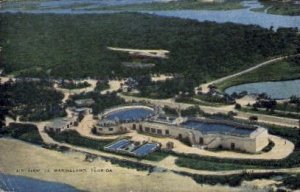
114	85
248	99
260	185
161	77
40	125
5	79
92	86
19	155
281	149
149	52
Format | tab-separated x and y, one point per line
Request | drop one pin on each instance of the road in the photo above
169	163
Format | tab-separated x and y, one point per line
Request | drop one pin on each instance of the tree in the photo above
237	106
253	118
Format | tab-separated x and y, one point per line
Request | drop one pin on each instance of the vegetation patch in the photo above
101	85
33	100
129	164
236	179
268	106
73	85
273	113
70	54
221	100
269	147
192	111
288	69
102	102
292	182
24	132
156	156
74	138
209	165
290	8
165	89
176	5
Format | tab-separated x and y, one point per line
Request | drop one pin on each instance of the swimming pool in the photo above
216	128
130	114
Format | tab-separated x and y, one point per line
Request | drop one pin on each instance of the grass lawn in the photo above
273	113
289	107
210	165
156	156
73	138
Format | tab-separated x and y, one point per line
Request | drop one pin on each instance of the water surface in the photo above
12	183
130	114
214	128
241	16
276	89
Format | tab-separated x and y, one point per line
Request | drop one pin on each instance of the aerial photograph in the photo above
149	95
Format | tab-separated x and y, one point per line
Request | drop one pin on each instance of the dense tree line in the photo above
165	89
4	102
74	138
101	85
76	45
24	132
74	85
101	101
33	101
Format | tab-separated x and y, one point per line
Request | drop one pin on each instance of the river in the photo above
240	16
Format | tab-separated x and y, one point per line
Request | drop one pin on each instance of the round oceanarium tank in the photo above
129	113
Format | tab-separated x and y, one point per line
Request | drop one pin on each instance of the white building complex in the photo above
200	132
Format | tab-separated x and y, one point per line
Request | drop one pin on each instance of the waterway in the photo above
241	16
